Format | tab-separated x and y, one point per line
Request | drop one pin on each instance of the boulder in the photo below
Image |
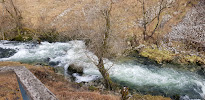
5	53
52	63
75	69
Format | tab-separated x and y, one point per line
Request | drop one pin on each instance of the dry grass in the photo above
9	89
63	89
148	97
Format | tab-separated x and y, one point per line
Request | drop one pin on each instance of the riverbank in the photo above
164	56
60	86
56	83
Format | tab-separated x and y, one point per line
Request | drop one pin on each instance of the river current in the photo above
146	79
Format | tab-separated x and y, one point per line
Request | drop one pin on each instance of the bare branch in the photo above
101	46
140	1
147	20
158	17
110	67
14	13
92	59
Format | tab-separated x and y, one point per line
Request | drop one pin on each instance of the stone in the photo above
5	53
75	69
52	63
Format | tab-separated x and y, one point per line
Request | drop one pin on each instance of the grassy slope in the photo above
63	89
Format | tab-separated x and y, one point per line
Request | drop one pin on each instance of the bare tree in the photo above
14	13
147	18
99	45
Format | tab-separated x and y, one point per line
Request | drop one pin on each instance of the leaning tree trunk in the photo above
103	49
105	74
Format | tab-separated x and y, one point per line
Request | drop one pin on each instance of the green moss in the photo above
157	55
18	38
194	59
23	34
92	88
50	36
163	56
27	34
22	38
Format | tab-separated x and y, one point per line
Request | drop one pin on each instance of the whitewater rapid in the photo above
143	78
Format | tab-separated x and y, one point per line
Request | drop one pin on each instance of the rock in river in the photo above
5	53
75	69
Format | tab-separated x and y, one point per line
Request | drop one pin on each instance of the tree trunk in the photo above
105	74
3	35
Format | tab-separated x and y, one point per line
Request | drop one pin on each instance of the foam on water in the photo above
85	78
165	80
146	79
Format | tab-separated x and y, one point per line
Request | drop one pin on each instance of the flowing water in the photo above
143	78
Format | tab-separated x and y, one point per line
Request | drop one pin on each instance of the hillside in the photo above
83	19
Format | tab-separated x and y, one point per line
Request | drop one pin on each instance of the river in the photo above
146	79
